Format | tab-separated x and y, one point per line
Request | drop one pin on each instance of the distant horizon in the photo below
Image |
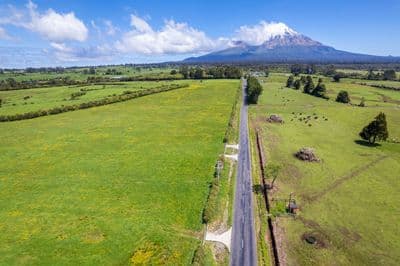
43	34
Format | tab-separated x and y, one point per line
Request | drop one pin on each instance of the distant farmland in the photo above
120	183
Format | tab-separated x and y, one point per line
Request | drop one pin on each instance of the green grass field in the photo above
117	184
22	101
349	201
77	73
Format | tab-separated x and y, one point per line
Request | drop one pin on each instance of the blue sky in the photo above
48	32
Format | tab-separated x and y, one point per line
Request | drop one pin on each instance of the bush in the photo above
337	77
343	97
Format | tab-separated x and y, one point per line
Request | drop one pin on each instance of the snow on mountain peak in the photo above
262	32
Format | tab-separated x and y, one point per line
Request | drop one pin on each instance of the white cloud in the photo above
4	35
55	26
172	38
67	53
261	32
51	25
140	24
110	28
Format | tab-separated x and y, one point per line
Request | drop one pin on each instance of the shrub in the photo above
343	97
337	77
362	102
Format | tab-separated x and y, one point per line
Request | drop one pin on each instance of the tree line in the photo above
214	72
308	86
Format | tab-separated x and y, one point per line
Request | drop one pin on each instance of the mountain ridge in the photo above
287	45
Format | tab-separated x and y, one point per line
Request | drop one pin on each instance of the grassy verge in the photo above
261	218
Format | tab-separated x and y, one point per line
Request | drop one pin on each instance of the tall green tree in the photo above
320	90
297	84
375	130
254	90
309	85
289	82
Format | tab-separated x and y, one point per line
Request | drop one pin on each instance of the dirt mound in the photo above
275	119
307	154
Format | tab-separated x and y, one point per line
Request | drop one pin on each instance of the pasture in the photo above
116	184
27	100
349	201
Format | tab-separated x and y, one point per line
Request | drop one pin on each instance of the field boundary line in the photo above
344	178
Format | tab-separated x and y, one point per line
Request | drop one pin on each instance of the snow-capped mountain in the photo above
278	43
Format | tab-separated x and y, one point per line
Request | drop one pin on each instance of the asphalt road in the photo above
243	246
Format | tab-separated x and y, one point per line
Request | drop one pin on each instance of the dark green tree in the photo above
289	82
376	130
297	84
311	69
320	90
371	75
296	69
309	85
330	70
254	89
389	75
337	77
343	97
199	73
184	70
303	80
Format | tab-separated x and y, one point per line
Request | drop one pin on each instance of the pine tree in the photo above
289	82
309	86
297	84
